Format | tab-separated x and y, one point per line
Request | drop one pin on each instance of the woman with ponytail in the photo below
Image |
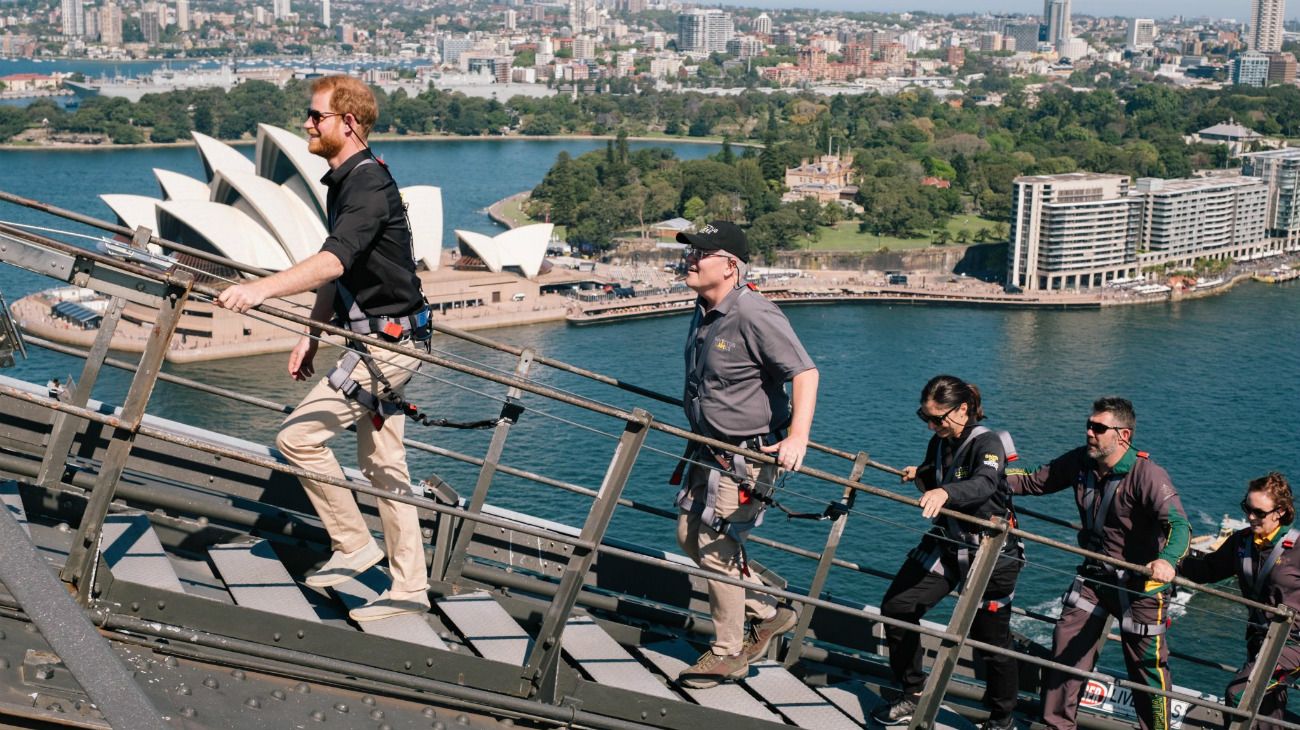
964	471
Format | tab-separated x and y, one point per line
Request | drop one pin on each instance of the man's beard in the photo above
1100	452
325	147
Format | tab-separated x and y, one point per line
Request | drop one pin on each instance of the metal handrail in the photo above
630	418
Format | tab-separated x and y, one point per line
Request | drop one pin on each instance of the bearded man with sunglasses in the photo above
364	278
1130	511
740	353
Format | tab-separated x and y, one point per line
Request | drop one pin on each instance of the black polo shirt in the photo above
370	237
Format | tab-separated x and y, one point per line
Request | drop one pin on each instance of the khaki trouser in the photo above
729	605
321	416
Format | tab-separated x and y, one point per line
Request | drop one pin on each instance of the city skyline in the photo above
1157	9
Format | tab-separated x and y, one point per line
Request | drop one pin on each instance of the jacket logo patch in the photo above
961	473
722	345
991	460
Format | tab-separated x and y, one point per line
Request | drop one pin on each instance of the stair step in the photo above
13	501
487	626
794	699
671	657
257	579
857	701
133	552
607	662
409	627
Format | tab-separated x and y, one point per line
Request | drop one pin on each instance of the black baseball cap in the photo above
718	236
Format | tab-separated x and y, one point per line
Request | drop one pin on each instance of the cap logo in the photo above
708	230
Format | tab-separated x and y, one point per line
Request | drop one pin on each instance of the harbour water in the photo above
1214	382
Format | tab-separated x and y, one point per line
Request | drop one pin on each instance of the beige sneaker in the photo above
712	669
762	633
342	567
387	606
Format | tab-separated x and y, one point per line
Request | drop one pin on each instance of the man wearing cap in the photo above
739	354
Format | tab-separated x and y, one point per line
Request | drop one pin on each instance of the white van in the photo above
518	297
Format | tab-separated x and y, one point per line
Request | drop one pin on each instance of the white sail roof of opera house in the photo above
220	229
270	214
282	157
217	155
176	186
424	211
297	228
520	249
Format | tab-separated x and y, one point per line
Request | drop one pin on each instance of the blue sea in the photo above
1216	384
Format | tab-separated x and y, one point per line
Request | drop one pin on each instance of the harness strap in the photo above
1097	507
1073	598
1256	582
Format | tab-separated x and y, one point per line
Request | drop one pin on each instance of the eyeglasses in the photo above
1251	512
315	115
933	420
700	254
1100	428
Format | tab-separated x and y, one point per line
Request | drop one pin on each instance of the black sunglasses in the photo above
1258	514
1101	428
315	115
935	420
699	254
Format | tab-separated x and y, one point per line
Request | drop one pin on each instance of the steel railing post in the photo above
543	658
1262	673
491	460
64	428
963	614
826	560
85	546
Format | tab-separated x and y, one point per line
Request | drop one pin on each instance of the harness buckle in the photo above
393	329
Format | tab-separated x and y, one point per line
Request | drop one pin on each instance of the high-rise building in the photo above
1083	230
74	18
1068	231
1281	69
1266	25
183	14
584	48
1025	36
325	13
704	31
450	48
512	19
579	13
763	24
151	23
110	24
1141	34
281	8
1058	22
1280	170
1250	69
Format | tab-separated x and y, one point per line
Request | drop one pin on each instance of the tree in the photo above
963	236
12	122
942	236
694	210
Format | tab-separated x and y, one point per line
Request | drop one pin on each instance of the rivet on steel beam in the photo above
376	714
183	689
188	711
211	683
275	636
341	708
462	719
162	605
237	674
54	707
302	688
277	694
318	716
428	662
429	712
406	664
368	700
172	661
252	703
301	633
135	606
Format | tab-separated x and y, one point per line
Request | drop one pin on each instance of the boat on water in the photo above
1277	275
152	573
1206	544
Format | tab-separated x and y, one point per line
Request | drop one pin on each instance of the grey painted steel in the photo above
257	579
83	555
408	627
607	662
671	657
12	502
972	593
856	701
61	621
543	658
456	561
1261	674
132	551
489	628
826	560
64	429
788	695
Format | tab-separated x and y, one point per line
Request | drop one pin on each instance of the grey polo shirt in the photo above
738	358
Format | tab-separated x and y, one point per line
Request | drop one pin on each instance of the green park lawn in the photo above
844	236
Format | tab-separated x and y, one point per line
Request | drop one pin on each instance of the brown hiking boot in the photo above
762	633
713	669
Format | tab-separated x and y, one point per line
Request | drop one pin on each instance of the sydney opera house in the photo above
269	212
